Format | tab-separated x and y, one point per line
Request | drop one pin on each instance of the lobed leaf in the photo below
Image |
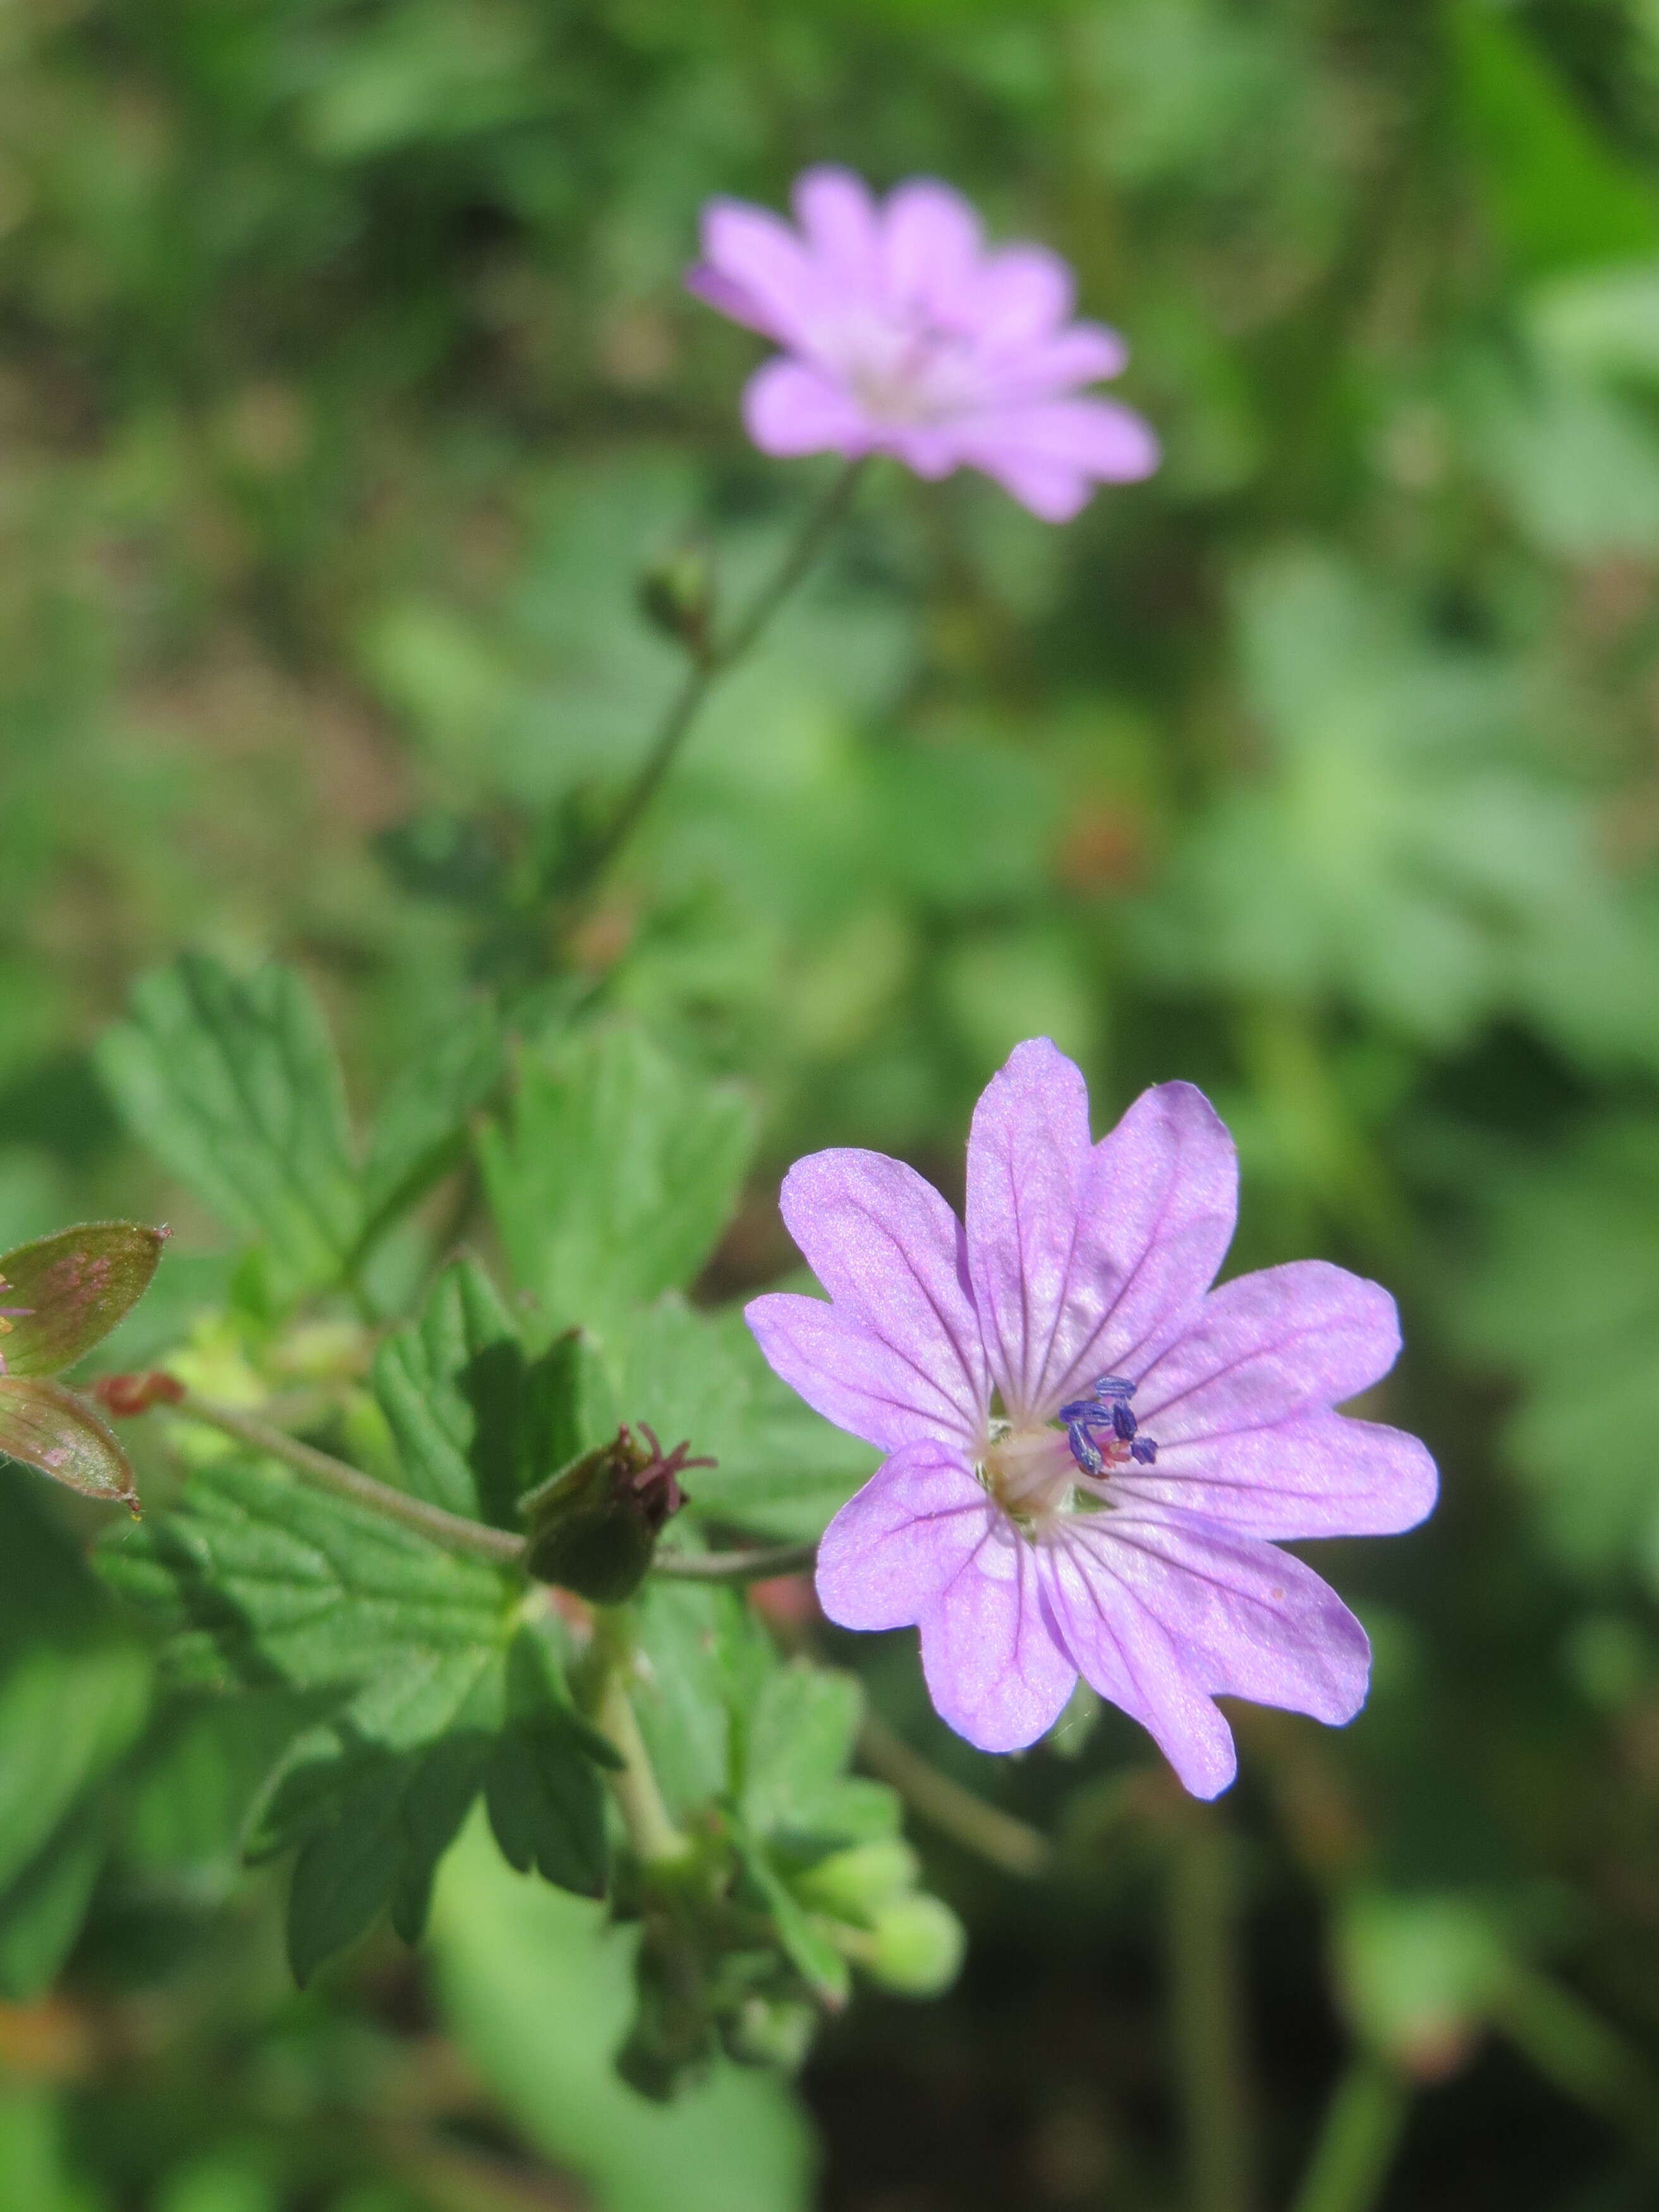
434	1690
613	1174
234	1083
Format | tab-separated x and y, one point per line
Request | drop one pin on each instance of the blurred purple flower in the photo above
1133	1544
902	334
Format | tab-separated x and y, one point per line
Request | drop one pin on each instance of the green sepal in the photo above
54	1429
591	1530
75	1285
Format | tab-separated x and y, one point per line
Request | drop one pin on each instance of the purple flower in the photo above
902	334
1090	1450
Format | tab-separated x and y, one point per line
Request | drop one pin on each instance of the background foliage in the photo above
347	384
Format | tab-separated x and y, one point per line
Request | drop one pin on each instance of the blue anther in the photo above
1084	1450
1106	1414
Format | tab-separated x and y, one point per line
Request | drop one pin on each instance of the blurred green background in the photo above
347	383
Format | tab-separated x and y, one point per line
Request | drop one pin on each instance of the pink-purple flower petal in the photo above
1251	1621
1316	1475
930	248
838	215
1095	437
889	1250
756	252
1019	292
1082	1256
1127	1654
853	1378
1049	489
994	1668
892	1549
790	408
1267	1346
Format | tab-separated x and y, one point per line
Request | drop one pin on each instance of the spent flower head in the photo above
1091	1452
902	334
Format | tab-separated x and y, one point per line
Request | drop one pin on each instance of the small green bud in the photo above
594	1525
677	595
855	1885
917	1946
770	2032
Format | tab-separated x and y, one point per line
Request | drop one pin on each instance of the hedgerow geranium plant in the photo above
458	1495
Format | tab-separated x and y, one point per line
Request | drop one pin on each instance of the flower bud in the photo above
594	1525
770	2032
676	594
917	1946
856	1884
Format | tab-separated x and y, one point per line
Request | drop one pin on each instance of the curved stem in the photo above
985	1830
756	1565
719	658
326	1473
1357	2139
454	1529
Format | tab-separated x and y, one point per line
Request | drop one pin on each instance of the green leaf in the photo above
54	1429
1395	853
74	1697
204	1771
613	1176
1561	1297
798	1742
536	1989
265	1585
42	1911
704	1659
1559	193
263	1581
420	1130
372	1828
546	1807
455	1392
806	1945
234	1083
72	1288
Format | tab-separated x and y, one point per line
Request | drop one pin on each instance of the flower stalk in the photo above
711	661
455	1531
655	1840
1357	2139
1206	2017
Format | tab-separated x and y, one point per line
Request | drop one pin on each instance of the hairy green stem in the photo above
1357	2139
1207	2016
655	1840
454	1529
718	660
322	1469
987	1831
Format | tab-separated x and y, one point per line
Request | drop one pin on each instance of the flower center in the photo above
1029	1472
907	378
